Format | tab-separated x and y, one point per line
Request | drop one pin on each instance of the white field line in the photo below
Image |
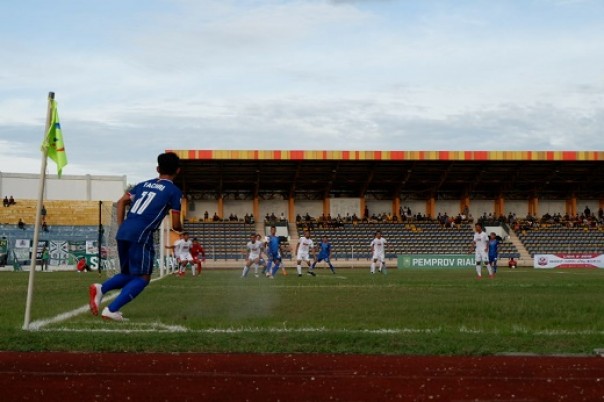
39	324
159	327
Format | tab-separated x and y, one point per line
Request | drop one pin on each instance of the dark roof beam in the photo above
368	181
294	182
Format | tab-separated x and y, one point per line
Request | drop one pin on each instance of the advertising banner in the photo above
429	261
577	260
87	249
58	252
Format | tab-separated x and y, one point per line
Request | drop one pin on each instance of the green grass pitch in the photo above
425	312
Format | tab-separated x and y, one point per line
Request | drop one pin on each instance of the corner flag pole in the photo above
32	268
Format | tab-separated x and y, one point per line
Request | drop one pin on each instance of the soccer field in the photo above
405	312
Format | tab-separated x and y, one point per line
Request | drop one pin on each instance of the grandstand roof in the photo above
315	174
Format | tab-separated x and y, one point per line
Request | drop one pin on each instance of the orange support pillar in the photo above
571	206
533	206
184	206
396	207
220	207
326	206
464	204
499	206
431	207
291	209
362	204
256	208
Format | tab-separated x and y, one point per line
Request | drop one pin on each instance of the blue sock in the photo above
116	282
313	265
331	267
269	265
275	269
129	292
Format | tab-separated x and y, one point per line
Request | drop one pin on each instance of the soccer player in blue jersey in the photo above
493	251
273	253
324	255
149	202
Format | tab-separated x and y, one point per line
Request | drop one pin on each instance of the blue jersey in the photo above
273	245
150	201
325	250
493	244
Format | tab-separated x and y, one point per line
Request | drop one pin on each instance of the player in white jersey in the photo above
378	248
254	249
481	248
182	252
303	249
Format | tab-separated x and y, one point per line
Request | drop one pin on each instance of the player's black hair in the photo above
273	227
377	231
478	224
168	163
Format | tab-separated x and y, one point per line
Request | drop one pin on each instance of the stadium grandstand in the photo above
424	202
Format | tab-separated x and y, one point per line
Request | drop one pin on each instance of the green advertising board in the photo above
438	261
3	251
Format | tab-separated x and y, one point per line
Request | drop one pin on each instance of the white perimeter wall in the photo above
272	207
518	207
344	206
379	206
80	188
551	207
313	207
451	207
201	206
479	207
415	205
593	205
238	207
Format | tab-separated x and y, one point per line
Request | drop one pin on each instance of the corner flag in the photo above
53	142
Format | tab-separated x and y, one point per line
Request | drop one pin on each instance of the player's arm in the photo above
121	207
176	224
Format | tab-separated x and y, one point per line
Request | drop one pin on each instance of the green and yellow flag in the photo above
53	142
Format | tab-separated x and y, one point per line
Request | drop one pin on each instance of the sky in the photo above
134	78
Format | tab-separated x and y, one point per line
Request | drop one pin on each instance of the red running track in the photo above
148	377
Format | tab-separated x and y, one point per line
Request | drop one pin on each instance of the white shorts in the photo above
302	256
184	257
481	256
253	257
379	257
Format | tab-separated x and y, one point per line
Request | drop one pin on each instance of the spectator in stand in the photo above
21	224
45	258
282	217
587	212
44	227
206	216
11	201
273	217
43	213
5	202
601	213
216	218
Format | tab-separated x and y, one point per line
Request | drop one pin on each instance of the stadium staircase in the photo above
525	258
294	236
554	239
